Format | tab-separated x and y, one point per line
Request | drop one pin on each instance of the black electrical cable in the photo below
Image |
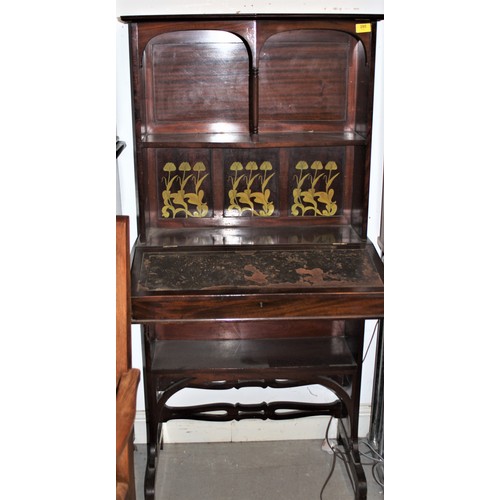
371	339
374	469
334	459
380	457
379	461
329	476
336	454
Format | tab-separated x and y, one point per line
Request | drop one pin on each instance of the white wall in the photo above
245	430
150	7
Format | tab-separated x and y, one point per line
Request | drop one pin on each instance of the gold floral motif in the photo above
242	198
309	201
177	199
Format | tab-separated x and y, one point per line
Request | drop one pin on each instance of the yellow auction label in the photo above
363	28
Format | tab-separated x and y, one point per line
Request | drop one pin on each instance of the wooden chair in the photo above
127	378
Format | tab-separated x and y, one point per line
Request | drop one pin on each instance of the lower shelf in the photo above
194	355
265	362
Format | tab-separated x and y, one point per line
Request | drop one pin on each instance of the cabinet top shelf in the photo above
241	15
255	140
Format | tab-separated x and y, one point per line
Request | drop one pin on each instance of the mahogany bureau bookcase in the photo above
252	265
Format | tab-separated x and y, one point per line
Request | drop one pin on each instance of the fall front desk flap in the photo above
245	268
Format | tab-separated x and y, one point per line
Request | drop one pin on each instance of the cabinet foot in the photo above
353	462
150	475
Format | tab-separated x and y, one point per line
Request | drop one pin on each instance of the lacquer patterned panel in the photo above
184	183
251	183
272	268
315	181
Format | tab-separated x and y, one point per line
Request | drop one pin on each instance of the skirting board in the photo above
193	431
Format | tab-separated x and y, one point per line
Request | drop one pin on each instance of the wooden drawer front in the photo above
341	305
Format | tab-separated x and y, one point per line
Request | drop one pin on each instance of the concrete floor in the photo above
269	470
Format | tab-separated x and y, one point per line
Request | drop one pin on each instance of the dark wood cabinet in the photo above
252	265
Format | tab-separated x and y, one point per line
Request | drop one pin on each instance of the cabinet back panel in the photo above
304	78
197	82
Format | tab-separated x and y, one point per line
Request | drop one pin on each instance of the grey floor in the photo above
269	470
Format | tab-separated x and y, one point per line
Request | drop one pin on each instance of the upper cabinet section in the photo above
253	80
252	122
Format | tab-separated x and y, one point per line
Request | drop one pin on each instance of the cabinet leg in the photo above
154	442
353	463
150	476
154	425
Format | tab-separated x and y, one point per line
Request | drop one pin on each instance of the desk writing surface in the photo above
171	270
